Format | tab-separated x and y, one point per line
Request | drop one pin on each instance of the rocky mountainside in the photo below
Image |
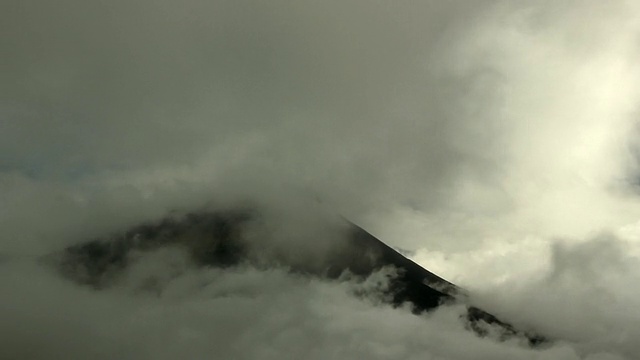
224	239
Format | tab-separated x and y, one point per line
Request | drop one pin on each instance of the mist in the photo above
495	142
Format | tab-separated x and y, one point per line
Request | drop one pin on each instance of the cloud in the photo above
241	313
164	307
585	296
473	134
475	118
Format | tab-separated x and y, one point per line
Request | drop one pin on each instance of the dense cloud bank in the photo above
166	308
492	140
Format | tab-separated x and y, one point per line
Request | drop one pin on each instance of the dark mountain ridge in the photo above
217	239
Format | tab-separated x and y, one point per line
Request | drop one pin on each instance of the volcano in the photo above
219	239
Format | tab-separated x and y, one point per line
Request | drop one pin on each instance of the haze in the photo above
494	141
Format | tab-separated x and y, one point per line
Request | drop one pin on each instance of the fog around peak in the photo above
496	141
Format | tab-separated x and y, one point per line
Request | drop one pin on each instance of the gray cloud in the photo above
325	94
473	133
165	308
585	296
481	111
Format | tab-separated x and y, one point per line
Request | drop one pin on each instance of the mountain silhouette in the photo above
215	239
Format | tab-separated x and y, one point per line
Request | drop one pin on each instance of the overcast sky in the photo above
495	140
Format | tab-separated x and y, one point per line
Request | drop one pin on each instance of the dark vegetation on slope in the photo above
216	239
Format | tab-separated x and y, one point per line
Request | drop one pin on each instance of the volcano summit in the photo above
229	239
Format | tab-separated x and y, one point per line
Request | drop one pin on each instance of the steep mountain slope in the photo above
223	239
